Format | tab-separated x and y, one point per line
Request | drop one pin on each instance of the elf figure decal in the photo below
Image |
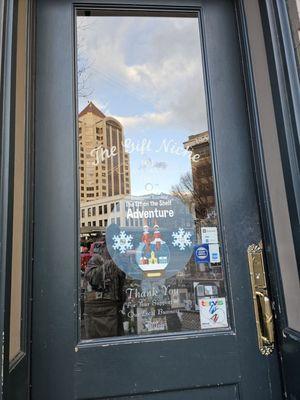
146	239
152	254
157	238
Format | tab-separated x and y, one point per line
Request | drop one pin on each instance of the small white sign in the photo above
213	313
158	324
209	234
214	253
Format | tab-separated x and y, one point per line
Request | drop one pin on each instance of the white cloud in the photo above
148	119
157	61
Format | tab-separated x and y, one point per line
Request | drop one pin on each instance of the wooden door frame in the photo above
285	86
7	17
16	372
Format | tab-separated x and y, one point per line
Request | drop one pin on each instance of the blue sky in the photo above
147	73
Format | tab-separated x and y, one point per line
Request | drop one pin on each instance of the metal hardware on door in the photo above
262	305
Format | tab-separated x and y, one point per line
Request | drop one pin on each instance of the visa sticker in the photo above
214	253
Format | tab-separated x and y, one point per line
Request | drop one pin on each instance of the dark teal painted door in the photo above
179	249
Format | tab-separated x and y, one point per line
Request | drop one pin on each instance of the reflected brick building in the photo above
203	191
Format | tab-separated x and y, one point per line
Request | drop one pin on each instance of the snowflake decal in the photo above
122	242
182	239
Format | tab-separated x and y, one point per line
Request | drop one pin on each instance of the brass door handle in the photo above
262	305
265	323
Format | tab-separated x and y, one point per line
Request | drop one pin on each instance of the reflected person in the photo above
104	297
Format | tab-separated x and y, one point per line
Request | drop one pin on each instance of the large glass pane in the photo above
151	259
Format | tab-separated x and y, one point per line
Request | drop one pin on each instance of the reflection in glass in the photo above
150	245
17	306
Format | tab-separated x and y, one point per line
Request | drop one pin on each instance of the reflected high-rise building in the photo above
202	179
104	165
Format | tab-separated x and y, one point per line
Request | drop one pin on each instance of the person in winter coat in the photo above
104	297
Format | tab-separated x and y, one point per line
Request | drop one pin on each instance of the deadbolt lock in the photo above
262	305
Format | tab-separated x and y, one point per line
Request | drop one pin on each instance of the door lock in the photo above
262	305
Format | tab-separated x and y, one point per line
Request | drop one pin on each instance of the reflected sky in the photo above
147	73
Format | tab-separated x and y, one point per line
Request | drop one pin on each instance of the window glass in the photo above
17	308
293	7
152	264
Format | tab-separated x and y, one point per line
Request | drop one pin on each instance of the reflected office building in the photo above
104	167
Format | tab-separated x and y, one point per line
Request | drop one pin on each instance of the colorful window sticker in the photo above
213	313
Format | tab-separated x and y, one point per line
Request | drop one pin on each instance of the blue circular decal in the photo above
155	237
202	253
